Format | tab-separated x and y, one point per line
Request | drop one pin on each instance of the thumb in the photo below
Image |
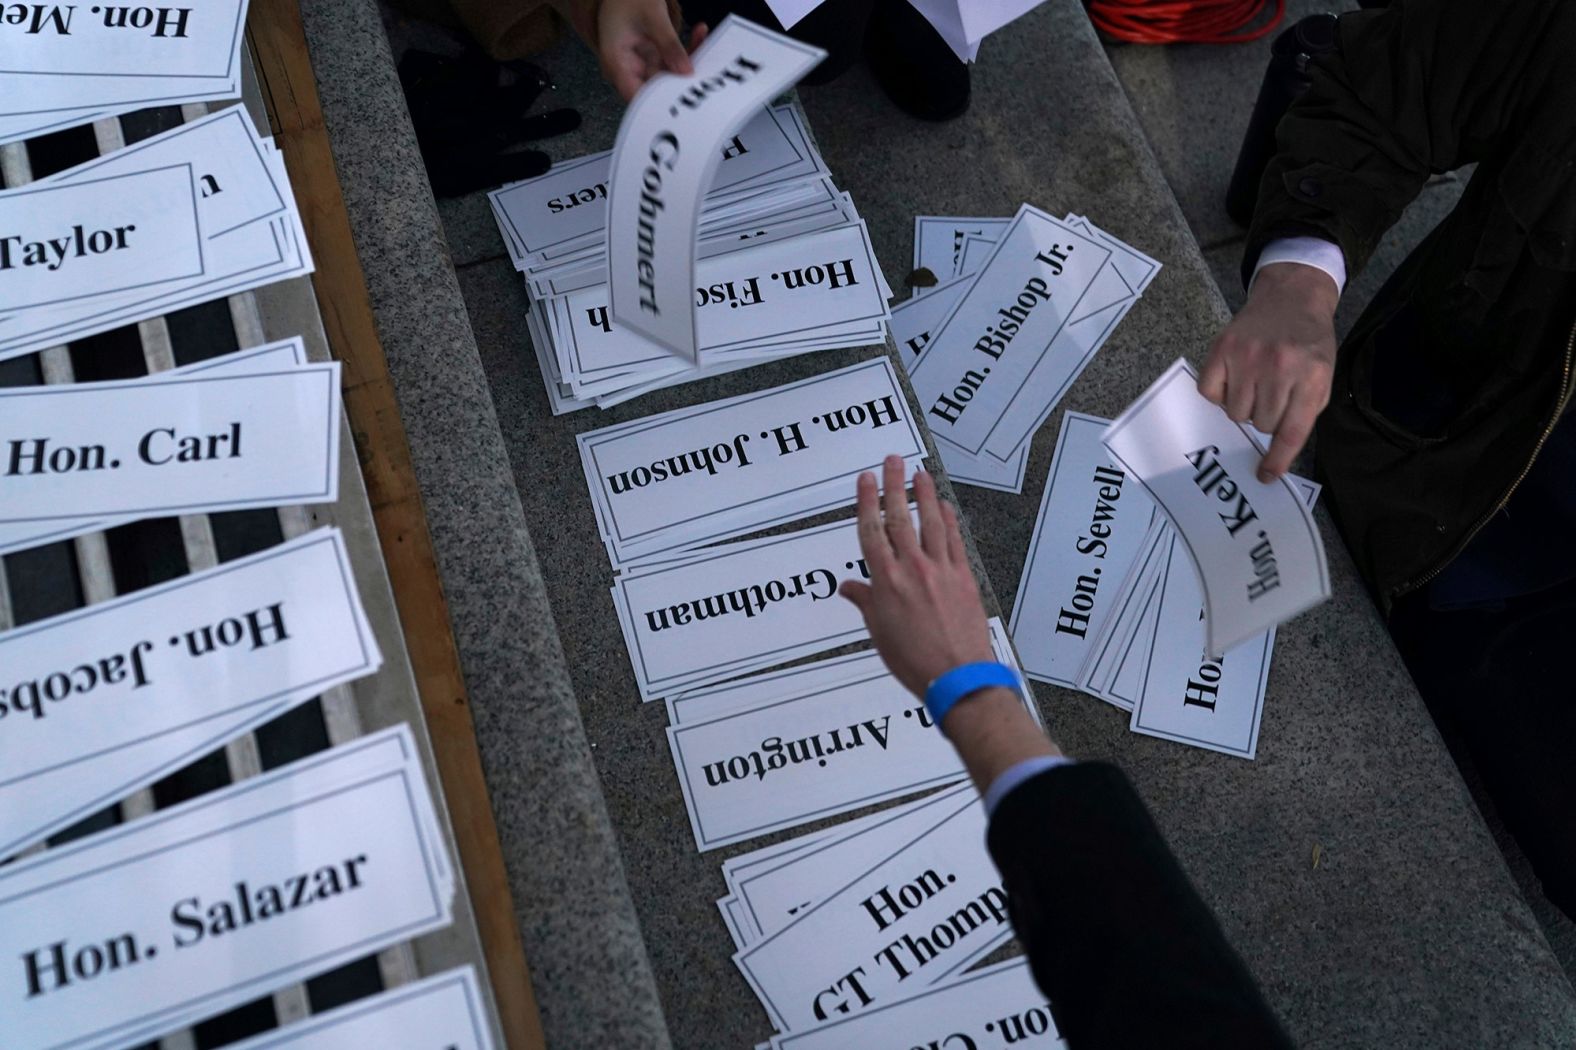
858	593
671	49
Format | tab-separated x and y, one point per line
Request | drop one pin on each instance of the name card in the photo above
923	913
173	445
63	244
169	672
118	40
1256	547
446	1012
236	893
683	478
668	148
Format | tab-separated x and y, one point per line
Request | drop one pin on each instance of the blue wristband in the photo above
961	682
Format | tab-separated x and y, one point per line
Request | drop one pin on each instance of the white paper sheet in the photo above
446	1012
668	148
938	243
1256	547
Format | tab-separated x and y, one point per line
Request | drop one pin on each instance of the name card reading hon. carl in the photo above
696	475
667	152
1256	547
173	445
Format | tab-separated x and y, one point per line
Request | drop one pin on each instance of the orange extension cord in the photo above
1182	21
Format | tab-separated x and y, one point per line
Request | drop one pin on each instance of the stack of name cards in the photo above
199	212
262	884
1026	304
784	266
447	1011
65	64
253	429
1110	603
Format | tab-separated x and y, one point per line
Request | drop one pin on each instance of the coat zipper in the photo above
1559	410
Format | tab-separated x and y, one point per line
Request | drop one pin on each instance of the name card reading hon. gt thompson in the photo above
1256	547
118	938
170	445
700	474
109	697
668	148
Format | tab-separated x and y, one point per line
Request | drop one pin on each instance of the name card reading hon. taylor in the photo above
668	148
146	928
111	696
1256	547
684	478
170	446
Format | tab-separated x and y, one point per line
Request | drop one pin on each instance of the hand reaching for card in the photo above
637	39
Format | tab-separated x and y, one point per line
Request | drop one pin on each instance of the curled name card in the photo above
1256	547
668	149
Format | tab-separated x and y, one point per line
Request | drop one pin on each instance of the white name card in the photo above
446	1012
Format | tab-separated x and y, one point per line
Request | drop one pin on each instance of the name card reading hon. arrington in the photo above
170	446
104	699
695	475
184	913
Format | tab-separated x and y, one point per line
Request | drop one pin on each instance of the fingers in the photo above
1240	391
1212	377
858	593
899	529
1292	434
872	537
949	520
1269	403
698	35
932	530
674	58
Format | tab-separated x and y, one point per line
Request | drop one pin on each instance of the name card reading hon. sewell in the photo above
170	446
104	699
696	475
267	882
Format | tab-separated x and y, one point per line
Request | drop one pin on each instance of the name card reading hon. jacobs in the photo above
667	152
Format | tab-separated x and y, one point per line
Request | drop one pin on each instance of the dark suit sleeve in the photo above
1115	934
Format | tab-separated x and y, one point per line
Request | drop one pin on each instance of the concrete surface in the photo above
1408	932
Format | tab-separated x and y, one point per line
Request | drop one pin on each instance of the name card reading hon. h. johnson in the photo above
105	699
668	148
236	893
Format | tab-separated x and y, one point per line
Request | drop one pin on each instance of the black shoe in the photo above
913	64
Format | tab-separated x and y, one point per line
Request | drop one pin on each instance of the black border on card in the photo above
783	675
590	441
1132	643
397	996
330	468
233	51
159	591
1139	567
58	188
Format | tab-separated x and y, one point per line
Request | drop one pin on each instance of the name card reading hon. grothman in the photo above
107	698
65	244
705	473
668	148
174	445
146	928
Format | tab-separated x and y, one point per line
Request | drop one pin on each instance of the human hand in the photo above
1273	363
922	605
637	39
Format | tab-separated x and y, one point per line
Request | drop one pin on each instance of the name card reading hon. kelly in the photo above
1256	547
696	475
113	940
668	148
172	445
106	698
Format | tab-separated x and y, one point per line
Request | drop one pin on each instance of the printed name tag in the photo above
262	884
446	1012
62	244
938	243
118	40
981	354
668	148
990	1008
170	445
923	913
699	474
1256	546
1092	523
196	657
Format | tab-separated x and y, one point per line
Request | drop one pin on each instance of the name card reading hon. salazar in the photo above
696	475
170	445
236	893
1256	547
668	148
107	698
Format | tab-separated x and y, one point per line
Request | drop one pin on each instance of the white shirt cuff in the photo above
1014	775
1310	251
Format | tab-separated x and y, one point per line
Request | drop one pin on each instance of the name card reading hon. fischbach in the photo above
170	446
146	928
668	148
107	698
700	474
